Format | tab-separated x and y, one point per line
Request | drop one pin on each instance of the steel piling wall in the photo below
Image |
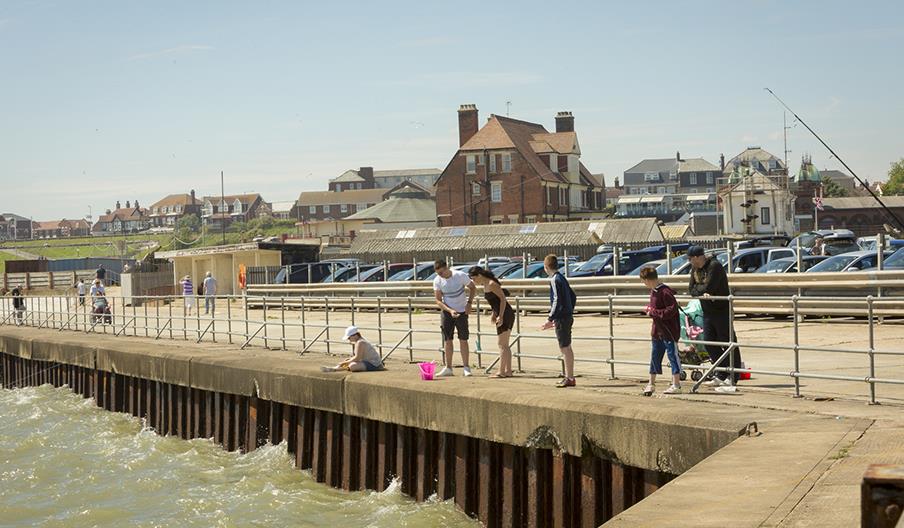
499	484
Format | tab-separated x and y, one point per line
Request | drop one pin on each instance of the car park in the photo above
752	259
378	273
348	274
424	270
310	272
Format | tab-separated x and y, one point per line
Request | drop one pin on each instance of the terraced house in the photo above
128	219
169	210
62	228
513	171
217	210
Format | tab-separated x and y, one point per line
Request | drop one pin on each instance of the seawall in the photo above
509	457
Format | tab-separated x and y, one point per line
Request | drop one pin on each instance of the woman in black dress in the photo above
503	315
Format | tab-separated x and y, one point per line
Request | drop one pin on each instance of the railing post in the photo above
616	256
245	298
326	313
229	318
352	308
304	330
567	273
410	332
385	270
380	322
310	273
611	340
282	318
731	340
479	352
872	351
795	303
668	259
523	267
170	319
264	305
518	329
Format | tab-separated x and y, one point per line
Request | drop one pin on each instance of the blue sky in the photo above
108	100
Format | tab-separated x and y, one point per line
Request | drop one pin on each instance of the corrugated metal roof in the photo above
862	202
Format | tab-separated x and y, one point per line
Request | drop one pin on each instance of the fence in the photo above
171	318
45	280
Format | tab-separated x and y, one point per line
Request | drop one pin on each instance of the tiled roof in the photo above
350	175
50	224
862	202
340	197
406	172
558	142
244	199
399	210
173	199
696	165
653	165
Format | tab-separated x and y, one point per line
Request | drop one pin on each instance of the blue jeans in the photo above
660	348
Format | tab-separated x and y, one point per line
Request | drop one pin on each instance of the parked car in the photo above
789	264
765	240
378	273
458	267
894	262
870	243
348	274
835	241
424	270
534	270
752	259
651	264
853	261
493	261
300	274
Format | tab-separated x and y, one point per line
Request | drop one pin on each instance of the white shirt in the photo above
81	288
97	291
210	286
453	290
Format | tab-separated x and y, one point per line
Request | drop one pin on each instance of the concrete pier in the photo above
510	453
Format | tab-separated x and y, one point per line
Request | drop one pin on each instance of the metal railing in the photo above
285	323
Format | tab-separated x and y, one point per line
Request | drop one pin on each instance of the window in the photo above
492	163
562	196
764	215
475	189
692	179
548	196
513	219
506	162
709	178
530	219
496	192
472	164
312	209
326	209
651	176
553	163
343	208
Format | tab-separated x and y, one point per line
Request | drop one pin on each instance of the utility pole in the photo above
223	206
785	128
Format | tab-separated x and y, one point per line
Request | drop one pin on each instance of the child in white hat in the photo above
365	357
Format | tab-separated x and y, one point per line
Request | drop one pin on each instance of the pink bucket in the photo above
427	370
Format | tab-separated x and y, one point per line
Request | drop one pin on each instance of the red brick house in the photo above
333	205
216	210
62	228
167	211
128	219
512	171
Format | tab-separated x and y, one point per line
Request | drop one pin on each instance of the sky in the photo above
108	100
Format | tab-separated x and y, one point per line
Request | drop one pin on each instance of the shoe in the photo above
467	371
329	369
445	373
673	389
715	382
649	389
727	388
566	382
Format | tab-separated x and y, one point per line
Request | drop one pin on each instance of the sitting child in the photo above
365	358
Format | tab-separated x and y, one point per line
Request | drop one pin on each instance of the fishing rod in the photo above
824	144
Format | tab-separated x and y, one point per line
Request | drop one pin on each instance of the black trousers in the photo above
717	327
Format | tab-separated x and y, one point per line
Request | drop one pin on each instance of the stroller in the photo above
692	353
101	312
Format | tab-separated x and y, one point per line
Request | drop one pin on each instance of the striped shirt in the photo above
187	288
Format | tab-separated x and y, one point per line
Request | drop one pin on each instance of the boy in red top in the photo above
663	309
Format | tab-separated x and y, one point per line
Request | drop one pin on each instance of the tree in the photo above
186	229
895	183
830	189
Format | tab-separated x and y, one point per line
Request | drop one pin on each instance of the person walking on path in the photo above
561	315
449	289
188	291
210	294
100	273
708	279
18	305
664	331
503	317
81	288
365	357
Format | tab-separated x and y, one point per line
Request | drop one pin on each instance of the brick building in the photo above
167	211
128	219
62	228
333	205
512	171
215	210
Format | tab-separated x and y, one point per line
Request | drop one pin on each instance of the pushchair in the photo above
101	312
689	351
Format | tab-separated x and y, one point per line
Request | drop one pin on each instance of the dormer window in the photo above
553	163
237	207
507	162
492	163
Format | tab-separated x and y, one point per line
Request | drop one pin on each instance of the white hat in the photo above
350	331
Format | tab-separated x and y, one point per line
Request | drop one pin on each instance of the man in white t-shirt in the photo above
454	293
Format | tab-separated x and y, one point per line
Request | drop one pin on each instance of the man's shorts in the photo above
563	331
458	324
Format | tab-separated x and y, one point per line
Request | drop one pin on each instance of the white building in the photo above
756	204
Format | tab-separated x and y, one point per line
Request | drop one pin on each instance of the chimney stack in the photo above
127	205
722	162
193	197
117	205
678	156
617	183
136	204
564	122
367	173
467	123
